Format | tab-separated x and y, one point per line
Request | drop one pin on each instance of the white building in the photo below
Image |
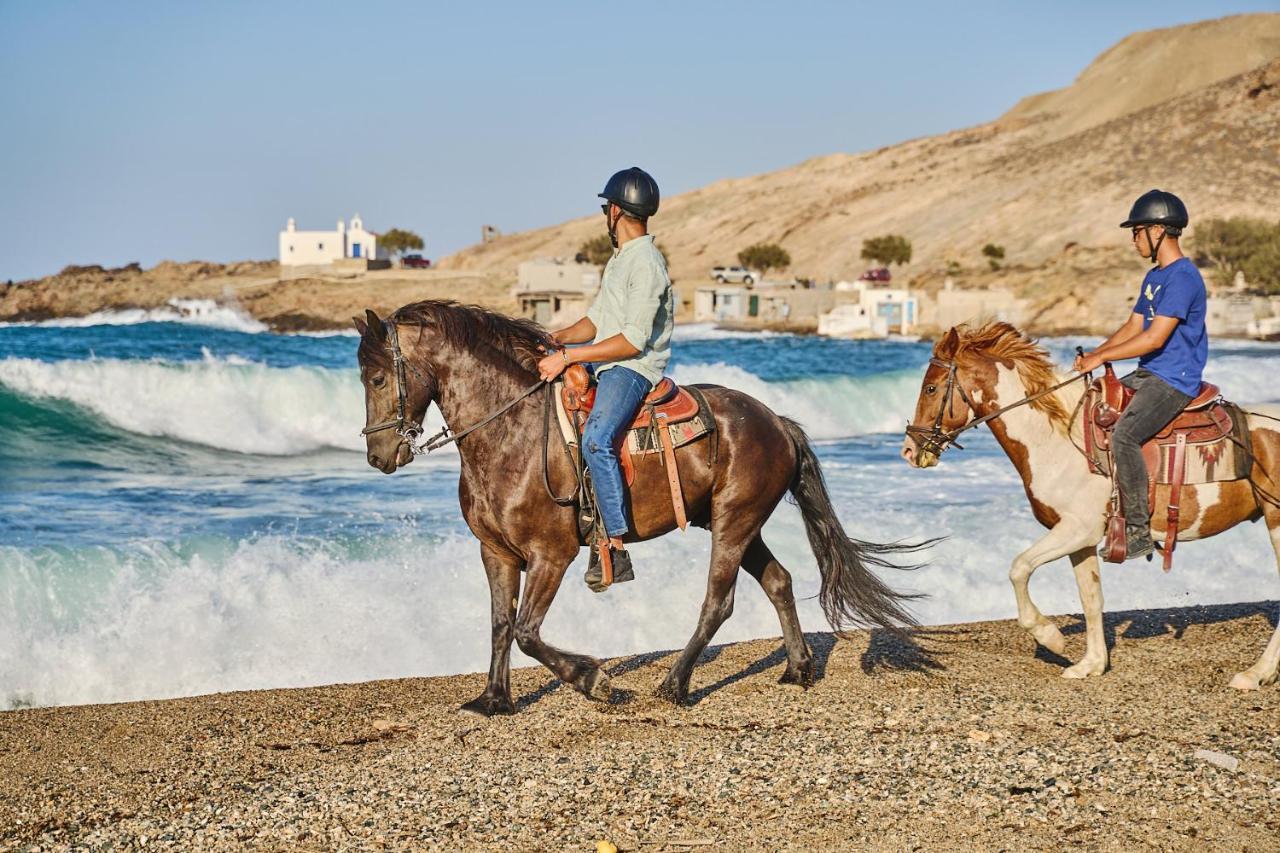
877	312
553	292
317	248
720	303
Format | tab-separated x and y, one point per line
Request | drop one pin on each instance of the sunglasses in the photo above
604	208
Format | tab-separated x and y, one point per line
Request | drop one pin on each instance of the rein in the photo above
411	430
936	440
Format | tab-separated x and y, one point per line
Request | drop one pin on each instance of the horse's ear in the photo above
361	326
950	342
376	326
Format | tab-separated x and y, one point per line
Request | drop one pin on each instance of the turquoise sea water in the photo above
185	508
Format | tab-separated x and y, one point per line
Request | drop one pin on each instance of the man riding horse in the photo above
629	329
1166	331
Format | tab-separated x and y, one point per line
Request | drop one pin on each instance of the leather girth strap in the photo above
673	471
1178	465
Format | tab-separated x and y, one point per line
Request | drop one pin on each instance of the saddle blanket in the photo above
1217	445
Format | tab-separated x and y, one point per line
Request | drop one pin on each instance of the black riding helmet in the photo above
1158	207
634	190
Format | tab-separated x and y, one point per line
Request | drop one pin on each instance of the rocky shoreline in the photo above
967	740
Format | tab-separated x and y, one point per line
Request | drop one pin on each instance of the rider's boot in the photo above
1138	541
621	561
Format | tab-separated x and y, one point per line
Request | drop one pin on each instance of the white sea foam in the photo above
827	407
145	621
195	312
710	332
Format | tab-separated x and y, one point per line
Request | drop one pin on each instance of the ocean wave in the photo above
238	406
710	332
829	407
195	312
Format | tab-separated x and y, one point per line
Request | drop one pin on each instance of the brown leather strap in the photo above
673	472
1178	470
606	563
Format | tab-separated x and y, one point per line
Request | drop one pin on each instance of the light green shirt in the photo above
635	301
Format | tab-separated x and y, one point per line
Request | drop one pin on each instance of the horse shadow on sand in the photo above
1147	624
907	652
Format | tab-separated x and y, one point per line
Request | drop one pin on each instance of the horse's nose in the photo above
908	453
374	460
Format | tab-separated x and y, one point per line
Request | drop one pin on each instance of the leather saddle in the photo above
667	402
663	408
1210	425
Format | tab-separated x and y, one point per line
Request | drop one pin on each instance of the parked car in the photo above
742	274
415	261
877	274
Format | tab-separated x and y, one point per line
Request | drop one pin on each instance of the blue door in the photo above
355	250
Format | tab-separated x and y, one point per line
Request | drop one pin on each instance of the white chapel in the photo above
299	248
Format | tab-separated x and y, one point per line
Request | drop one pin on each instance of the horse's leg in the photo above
762	565
1094	662
726	555
1064	538
541	583
1265	670
503	571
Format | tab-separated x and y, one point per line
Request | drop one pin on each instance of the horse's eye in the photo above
930	389
379	381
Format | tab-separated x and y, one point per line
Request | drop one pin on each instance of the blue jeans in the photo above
619	393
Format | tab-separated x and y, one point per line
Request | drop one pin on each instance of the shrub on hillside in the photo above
994	255
887	249
397	241
1240	244
597	250
764	257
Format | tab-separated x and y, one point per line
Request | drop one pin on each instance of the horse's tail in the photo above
851	593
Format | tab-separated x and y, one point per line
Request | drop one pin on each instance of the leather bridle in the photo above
411	430
408	429
935	439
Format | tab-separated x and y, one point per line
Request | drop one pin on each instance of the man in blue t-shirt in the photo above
1166	331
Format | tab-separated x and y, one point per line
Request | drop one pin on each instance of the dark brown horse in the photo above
470	362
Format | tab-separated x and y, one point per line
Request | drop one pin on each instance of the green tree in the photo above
398	241
1240	244
764	257
597	250
994	255
887	249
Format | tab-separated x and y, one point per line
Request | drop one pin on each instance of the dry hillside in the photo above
1060	167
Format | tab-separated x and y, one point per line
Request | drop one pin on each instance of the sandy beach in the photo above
969	741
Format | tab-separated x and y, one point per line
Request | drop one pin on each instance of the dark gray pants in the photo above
1155	403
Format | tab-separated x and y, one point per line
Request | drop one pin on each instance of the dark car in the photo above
877	274
415	261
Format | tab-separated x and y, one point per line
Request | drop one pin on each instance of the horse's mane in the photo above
483	332
1003	342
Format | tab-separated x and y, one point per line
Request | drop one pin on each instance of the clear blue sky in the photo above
144	131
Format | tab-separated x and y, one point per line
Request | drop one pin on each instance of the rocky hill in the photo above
1060	167
290	304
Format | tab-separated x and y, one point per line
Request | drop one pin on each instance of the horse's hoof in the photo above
597	686
1084	669
801	676
671	693
1048	635
485	705
1245	681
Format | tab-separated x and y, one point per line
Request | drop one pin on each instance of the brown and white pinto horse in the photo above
995	365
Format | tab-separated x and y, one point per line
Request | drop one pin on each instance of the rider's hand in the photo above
552	366
1085	363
